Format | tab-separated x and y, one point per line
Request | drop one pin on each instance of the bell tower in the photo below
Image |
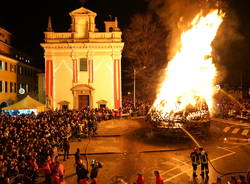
83	22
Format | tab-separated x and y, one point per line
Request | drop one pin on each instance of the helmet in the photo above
93	162
195	149
203	152
79	161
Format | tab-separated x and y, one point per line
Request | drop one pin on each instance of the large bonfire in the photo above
187	90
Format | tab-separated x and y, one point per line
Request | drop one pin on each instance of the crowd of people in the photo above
229	107
139	107
233	180
30	143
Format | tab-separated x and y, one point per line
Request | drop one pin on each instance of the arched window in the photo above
111	29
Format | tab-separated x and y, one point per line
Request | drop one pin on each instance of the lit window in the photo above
6	87
15	87
83	64
11	86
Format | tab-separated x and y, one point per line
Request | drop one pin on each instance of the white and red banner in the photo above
117	83
49	78
91	71
75	71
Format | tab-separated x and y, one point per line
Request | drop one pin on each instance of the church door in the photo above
83	101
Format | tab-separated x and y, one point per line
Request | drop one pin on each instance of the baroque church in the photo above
83	66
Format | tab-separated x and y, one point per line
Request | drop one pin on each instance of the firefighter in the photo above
195	158
95	169
81	171
204	163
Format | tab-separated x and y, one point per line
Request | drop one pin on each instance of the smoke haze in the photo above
177	15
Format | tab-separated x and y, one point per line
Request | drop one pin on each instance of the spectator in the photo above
218	181
158	178
66	148
242	180
77	155
140	179
81	171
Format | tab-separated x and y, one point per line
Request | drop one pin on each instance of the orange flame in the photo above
189	77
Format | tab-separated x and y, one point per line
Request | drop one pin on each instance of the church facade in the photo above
83	66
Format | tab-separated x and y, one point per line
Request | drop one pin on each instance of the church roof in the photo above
82	11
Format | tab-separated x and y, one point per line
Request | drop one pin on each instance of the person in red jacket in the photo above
140	179
94	181
47	170
60	167
33	169
158	178
55	177
62	180
218	181
233	180
242	179
84	181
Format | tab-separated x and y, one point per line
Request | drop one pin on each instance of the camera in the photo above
95	163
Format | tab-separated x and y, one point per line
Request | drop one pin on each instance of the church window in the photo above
83	64
6	66
11	68
111	29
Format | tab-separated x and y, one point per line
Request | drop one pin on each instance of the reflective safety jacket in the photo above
204	158
195	158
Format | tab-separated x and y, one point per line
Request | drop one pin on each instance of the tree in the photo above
145	53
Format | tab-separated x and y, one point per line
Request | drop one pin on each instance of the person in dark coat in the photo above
66	147
81	171
77	155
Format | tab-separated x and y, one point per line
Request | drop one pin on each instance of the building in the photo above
18	77
83	66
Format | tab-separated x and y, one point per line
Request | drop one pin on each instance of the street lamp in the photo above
134	84
134	70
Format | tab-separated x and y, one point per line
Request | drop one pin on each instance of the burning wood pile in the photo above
179	119
186	94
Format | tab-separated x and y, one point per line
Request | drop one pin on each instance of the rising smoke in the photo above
177	15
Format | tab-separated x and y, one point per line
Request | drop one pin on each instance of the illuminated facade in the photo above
15	72
83	66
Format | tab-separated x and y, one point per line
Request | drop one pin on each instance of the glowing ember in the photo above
189	77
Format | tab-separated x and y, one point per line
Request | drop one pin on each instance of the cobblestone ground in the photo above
126	147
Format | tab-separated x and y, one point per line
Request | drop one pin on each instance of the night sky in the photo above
27	20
